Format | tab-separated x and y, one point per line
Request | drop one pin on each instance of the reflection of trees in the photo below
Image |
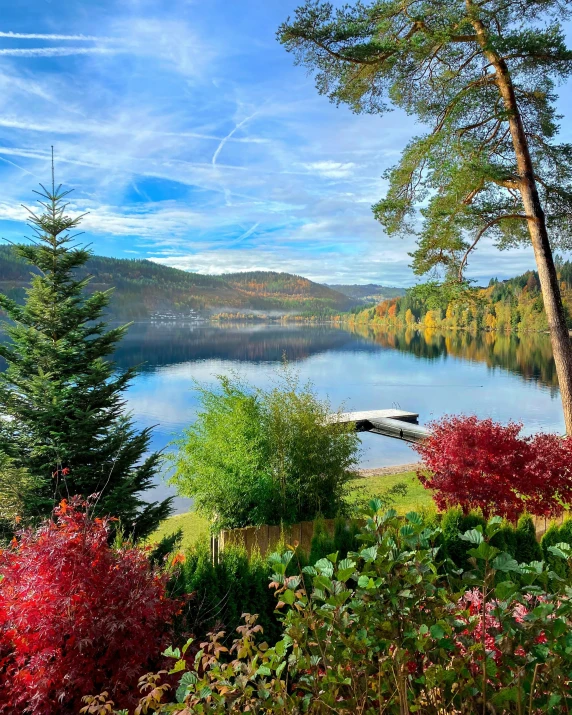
156	344
528	355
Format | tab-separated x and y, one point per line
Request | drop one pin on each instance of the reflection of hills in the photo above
529	355
153	344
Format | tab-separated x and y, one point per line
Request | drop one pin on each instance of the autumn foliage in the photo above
481	464
76	615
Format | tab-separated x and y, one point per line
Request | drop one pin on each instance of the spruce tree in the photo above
61	397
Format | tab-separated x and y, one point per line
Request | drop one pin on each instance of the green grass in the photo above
416	498
195	526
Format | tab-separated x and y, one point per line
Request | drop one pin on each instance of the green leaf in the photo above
505	562
437	631
325	567
474	536
369	554
505	590
187	681
484	551
562	550
494	525
288	597
172	653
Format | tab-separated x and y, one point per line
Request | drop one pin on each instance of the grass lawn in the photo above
416	498
194	526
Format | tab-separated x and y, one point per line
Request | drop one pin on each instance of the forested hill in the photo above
513	304
367	293
144	289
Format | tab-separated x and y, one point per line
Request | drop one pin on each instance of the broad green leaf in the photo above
474	536
505	590
505	562
325	567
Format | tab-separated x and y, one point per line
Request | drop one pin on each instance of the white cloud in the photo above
331	169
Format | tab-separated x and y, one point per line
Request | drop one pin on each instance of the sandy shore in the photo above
388	471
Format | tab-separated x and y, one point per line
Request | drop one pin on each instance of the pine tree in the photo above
62	399
480	77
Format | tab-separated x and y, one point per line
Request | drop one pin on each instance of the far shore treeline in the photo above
504	306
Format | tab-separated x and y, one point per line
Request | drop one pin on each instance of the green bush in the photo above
527	547
519	542
265	456
453	524
219	594
555	535
388	630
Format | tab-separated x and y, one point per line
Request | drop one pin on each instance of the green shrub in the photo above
388	630
265	456
453	524
519	542
527	547
322	543
555	535
218	594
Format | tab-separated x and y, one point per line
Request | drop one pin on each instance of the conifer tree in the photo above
61	398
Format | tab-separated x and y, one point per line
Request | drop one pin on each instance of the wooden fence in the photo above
264	539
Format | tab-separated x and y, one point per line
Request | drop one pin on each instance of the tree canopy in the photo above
480	77
427	58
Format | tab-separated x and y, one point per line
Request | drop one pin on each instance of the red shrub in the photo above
76	616
482	464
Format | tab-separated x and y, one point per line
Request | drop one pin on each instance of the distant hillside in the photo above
369	293
515	304
144	288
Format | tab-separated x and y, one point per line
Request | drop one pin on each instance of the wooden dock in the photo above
398	424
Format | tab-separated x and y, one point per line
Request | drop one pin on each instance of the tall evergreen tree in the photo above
480	77
61	398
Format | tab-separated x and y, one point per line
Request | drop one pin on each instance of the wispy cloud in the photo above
191	139
331	169
40	36
57	51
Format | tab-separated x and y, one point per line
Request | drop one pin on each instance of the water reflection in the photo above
528	355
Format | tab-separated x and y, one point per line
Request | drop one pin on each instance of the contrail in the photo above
229	136
248	233
38	36
2	158
56	51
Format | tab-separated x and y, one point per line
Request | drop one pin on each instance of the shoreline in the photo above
388	471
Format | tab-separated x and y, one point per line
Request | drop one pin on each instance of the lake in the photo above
503	377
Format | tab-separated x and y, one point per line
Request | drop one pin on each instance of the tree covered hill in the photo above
144	288
510	305
368	293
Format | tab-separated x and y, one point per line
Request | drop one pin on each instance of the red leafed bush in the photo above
483	464
76	616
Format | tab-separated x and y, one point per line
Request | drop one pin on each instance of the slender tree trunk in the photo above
526	184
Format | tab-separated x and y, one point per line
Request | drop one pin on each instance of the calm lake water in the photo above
504	377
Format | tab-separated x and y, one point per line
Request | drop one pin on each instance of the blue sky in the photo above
192	139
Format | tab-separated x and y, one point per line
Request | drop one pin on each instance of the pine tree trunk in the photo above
526	185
